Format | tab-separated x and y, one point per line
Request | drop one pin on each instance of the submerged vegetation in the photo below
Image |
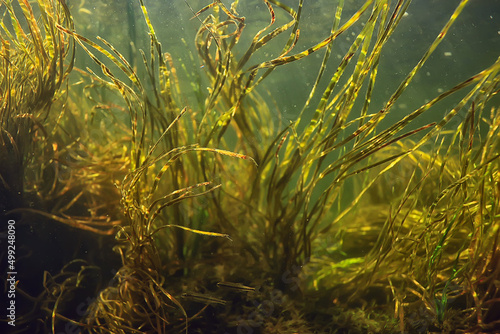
226	216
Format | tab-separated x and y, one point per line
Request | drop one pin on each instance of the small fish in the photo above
202	298
235	286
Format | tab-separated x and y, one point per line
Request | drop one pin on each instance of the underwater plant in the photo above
34	66
56	184
350	216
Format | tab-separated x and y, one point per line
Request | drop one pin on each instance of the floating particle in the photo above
447	54
440	90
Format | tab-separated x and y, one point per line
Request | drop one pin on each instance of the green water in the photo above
415	255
